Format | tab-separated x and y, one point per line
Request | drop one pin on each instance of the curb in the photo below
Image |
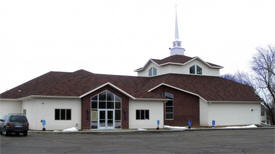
146	131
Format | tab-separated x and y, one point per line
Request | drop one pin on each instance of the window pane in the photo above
68	114
94	115
94	124
154	71
102	105
62	114
169	109
18	118
142	114
168	95
57	114
147	114
137	114
102	96
169	115
199	70
110	96
94	105
110	105
117	105
94	98
118	124
192	69
150	72
169	103
117	115
117	99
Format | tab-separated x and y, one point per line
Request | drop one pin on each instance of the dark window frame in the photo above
58	114
171	97
142	114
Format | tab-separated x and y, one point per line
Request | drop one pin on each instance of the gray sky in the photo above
118	36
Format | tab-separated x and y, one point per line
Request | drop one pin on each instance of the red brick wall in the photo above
85	114
186	107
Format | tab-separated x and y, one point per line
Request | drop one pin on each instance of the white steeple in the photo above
177	49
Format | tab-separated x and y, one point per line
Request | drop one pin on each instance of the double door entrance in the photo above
106	119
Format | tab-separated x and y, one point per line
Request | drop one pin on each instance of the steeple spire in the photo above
176	26
177	49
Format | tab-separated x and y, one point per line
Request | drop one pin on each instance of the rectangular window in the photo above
63	114
169	106
142	114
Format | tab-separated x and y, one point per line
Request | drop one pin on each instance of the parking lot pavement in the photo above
218	141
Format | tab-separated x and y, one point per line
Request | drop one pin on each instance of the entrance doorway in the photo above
106	119
105	111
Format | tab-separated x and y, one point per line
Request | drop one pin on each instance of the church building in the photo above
171	90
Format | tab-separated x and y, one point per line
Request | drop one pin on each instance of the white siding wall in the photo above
180	69
234	113
44	109
156	113
9	106
203	113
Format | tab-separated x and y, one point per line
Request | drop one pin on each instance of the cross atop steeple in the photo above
177	49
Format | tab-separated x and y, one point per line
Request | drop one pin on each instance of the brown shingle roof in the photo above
178	59
80	82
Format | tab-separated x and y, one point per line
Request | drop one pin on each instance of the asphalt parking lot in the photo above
218	141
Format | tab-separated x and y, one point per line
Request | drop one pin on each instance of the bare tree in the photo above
263	66
239	77
262	80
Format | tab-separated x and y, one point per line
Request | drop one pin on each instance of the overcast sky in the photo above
118	36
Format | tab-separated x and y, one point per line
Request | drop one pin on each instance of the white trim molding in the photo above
167	85
110	84
233	102
172	63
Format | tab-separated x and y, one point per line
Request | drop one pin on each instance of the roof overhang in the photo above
110	84
148	62
173	87
38	96
172	63
233	102
189	61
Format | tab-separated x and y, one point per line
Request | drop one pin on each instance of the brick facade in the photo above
86	109
186	107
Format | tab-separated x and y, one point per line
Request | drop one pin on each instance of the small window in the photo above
153	71
142	114
63	114
192	69
195	69
169	106
199	70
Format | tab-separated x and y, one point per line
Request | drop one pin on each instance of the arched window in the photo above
199	70
107	101
192	69
152	71
195	69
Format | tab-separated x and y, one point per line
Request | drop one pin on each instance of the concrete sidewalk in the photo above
115	131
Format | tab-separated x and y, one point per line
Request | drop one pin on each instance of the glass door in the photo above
106	119
102	119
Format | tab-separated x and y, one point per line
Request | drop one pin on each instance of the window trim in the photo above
153	72
195	69
116	99
172	99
